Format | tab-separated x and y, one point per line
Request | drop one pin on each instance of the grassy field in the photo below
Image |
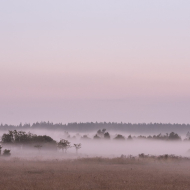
93	173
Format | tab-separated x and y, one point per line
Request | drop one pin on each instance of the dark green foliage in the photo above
119	137
187	136
141	137
141	128
106	135
102	134
162	157
142	155
97	137
23	137
7	138
149	137
85	137
0	149
129	137
99	132
167	137
64	145
43	139
174	136
103	130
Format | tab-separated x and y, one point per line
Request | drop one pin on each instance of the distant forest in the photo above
109	126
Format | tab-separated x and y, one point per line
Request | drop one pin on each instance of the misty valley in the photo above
95	156
36	141
35	158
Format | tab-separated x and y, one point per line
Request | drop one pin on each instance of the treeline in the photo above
102	134
21	137
142	128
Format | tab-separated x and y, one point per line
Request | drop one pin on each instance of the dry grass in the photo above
93	173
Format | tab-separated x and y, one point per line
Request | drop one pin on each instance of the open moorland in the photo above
97	161
95	174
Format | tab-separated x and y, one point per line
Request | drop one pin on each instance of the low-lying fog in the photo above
106	148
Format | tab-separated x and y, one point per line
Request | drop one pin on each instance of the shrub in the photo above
106	135
6	152
23	137
97	137
119	137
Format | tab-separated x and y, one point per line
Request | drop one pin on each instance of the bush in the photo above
23	137
119	137
106	135
6	152
96	137
174	136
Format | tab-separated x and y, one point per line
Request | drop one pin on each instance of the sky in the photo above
104	60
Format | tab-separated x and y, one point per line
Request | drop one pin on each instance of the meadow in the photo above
94	173
38	162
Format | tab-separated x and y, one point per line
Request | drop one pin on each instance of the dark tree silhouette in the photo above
90	126
77	147
64	145
7	138
85	137
174	136
106	135
97	137
130	137
119	137
23	137
6	152
101	133
0	149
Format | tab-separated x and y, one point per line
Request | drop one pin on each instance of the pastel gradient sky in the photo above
101	60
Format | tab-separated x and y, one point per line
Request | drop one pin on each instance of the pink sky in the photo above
102	64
